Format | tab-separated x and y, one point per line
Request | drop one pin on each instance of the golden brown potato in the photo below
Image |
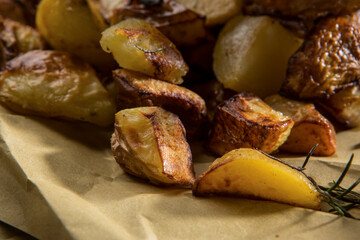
18	38
54	84
150	143
138	46
310	127
13	10
181	25
217	12
327	62
344	106
137	90
70	26
249	173
246	121
251	54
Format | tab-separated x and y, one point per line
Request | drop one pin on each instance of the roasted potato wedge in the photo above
138	46
217	12
70	26
246	121
344	106
137	90
54	84
310	127
251	54
327	62
18	38
249	173
150	143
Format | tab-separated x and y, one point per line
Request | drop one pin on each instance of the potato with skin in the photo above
70	26
54	84
327	62
249	173
150	143
18	38
138	46
344	106
251	54
137	90
310	127
217	12
245	121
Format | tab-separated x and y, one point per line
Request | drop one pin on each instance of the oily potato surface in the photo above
150	143
248	173
54	84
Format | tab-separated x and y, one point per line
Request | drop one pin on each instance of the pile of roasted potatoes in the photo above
247	78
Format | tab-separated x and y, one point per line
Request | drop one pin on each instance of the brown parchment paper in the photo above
58	180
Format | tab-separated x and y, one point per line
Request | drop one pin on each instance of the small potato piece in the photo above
18	38
70	26
249	173
327	62
246	121
137	90
54	84
251	54
150	143
310	127
344	106
138	46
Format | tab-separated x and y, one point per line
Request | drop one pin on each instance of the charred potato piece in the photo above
54	84
327	62
310	127
70	26
13	10
18	38
138	46
217	12
137	90
150	143
249	173
344	106
245	51
245	121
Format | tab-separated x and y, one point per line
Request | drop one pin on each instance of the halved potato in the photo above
310	127
246	121
138	46
138	90
70	26
54	84
150	143
249	173
327	62
217	12
251	54
344	106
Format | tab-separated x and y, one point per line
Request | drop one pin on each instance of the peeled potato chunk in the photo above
54	84
150	143
249	173
310	127
18	38
327	62
70	26
137	90
138	46
251	54
245	121
344	106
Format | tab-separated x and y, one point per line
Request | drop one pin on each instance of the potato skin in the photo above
245	121
310	127
150	143
55	84
327	62
136	90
